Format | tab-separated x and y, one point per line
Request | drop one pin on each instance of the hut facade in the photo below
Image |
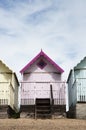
77	90
42	89
8	92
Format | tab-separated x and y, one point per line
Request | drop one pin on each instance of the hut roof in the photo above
46	57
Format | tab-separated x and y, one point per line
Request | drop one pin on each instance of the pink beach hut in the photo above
42	88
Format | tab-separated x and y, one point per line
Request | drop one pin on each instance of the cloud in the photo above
58	27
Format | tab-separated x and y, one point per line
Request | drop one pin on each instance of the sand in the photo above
39	124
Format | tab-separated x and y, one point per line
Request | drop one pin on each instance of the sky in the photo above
58	27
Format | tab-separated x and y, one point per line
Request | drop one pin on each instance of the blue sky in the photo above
56	26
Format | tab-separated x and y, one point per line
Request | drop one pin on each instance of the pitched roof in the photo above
37	57
75	68
78	65
9	70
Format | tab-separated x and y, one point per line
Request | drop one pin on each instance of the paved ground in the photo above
32	124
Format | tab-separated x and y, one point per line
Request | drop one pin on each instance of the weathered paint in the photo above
8	87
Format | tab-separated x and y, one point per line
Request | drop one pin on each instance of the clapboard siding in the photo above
8	88
77	87
36	81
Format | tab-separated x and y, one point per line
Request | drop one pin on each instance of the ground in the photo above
47	124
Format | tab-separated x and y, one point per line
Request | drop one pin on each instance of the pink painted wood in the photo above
36	81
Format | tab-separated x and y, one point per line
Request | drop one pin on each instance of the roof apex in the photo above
9	70
45	56
80	62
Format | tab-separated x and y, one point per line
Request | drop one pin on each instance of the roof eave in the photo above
44	55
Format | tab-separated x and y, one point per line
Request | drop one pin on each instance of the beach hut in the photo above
77	90
9	86
42	88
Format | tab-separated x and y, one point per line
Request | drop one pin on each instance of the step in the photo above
37	110
43	107
3	110
3	115
46	103
43	99
38	101
43	104
43	116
